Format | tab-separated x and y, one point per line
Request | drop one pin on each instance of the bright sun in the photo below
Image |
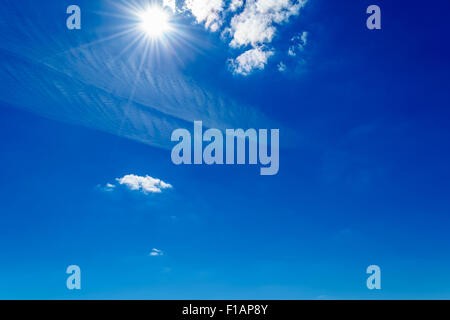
154	22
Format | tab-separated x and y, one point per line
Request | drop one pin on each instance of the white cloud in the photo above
304	38
299	42
208	12
250	60
253	23
236	4
145	184
107	188
256	24
291	51
171	4
281	67
156	253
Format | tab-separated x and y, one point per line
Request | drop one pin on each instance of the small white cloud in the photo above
236	4
145	184
156	253
304	38
250	60
291	51
107	188
281	67
299	42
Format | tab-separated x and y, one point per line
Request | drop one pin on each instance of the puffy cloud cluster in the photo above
208	12
252	26
256	24
145	184
250	60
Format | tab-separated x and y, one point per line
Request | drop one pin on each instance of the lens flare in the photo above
154	22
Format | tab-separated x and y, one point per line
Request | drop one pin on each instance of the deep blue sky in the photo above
364	171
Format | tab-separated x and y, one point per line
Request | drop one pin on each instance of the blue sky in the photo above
364	176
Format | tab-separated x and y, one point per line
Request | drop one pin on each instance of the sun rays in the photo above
155	21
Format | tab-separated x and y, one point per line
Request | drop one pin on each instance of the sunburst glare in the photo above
154	21
150	32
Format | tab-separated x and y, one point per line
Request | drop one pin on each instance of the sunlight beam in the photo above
154	22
